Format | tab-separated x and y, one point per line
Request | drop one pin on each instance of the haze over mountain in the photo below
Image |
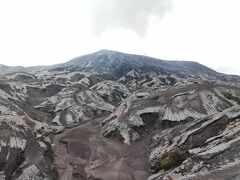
110	115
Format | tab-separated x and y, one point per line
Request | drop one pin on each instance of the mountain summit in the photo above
118	64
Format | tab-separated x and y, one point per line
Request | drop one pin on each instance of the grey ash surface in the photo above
111	115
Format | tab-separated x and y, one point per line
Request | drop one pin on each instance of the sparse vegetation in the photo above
170	159
229	138
231	97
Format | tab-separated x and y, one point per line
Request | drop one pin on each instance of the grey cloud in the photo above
133	15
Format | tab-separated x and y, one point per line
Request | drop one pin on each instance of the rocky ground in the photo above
82	152
110	115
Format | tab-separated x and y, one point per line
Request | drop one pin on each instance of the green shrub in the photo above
229	138
231	97
170	159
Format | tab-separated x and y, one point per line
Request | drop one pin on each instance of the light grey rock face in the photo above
44	99
126	98
112	92
136	117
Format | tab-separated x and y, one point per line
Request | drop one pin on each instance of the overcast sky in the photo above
42	32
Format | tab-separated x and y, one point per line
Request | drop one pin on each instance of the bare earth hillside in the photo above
115	116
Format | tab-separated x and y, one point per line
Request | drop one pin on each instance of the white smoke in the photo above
133	15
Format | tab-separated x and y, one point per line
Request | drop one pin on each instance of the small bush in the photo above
170	159
231	97
229	138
